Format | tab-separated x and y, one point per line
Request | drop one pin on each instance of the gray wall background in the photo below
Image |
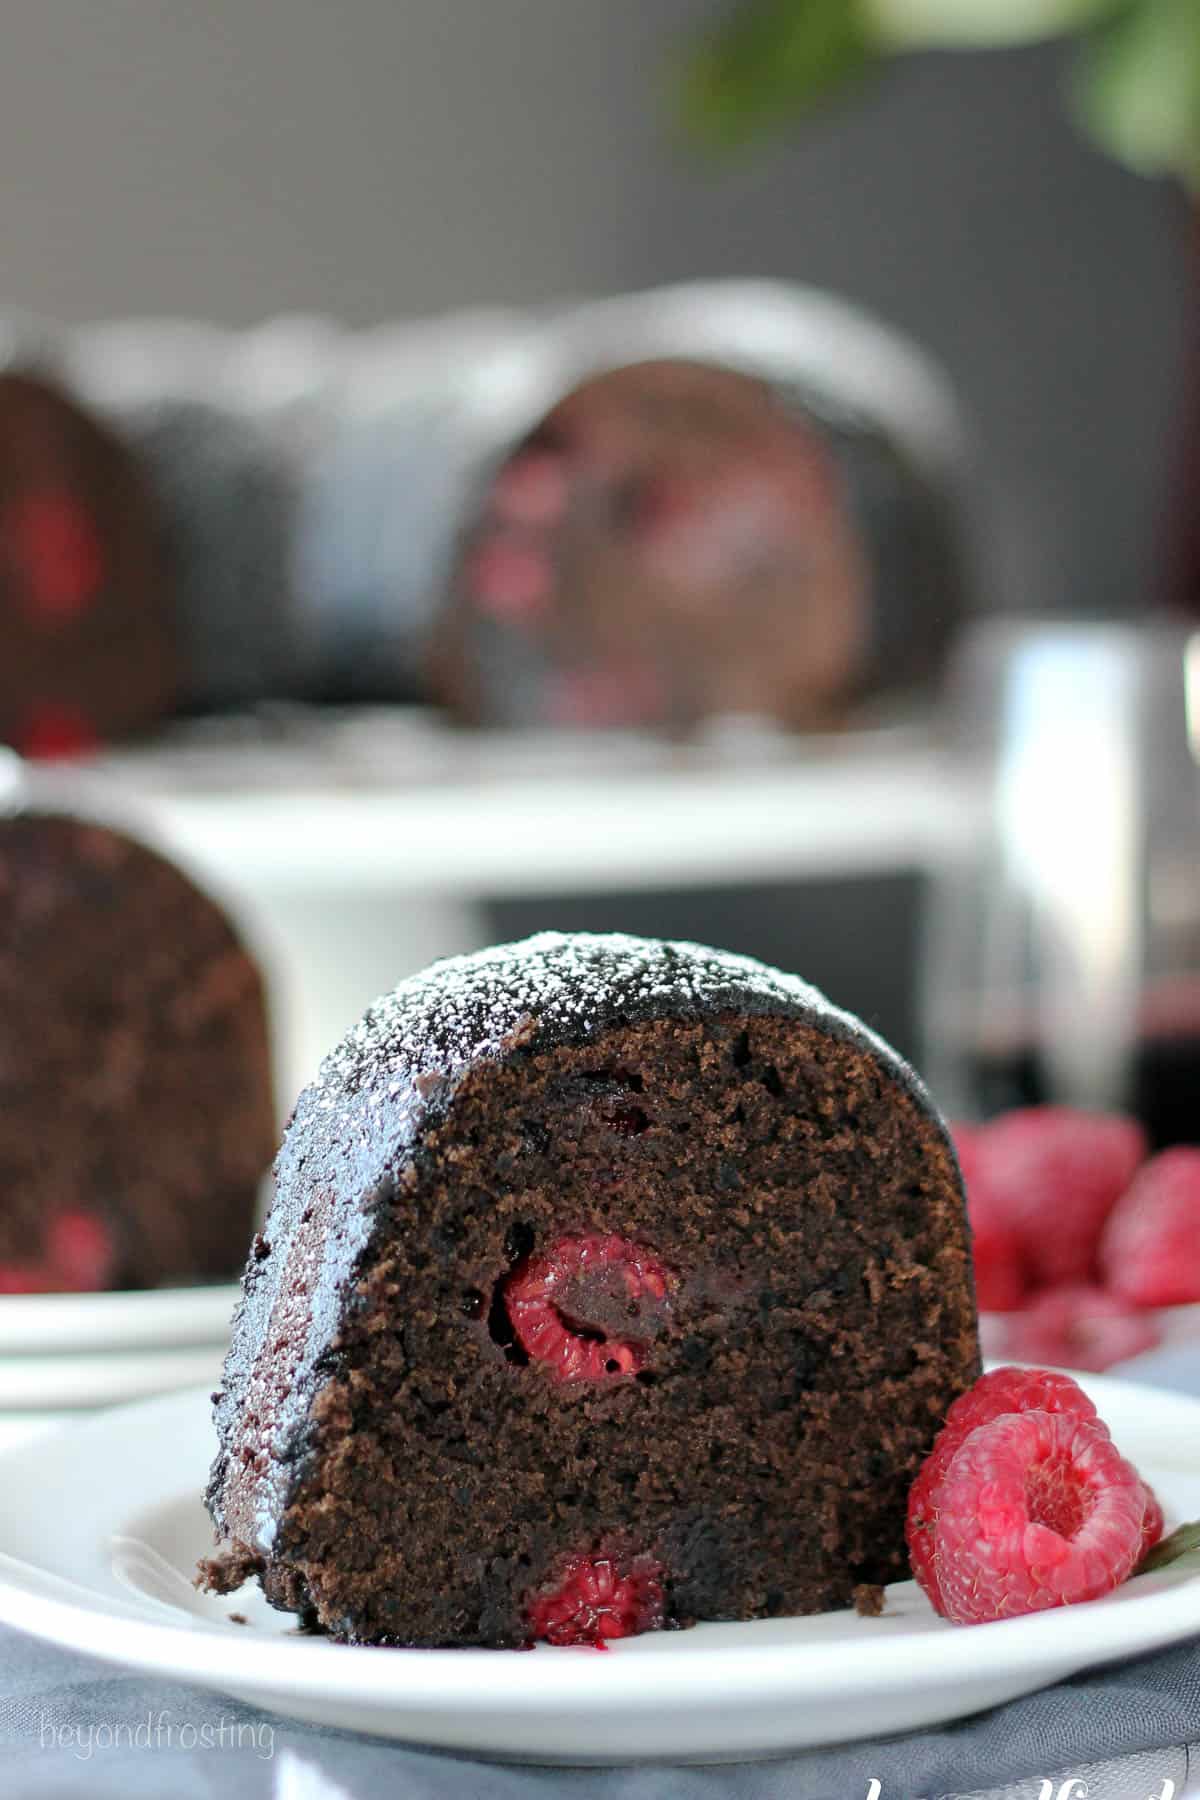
374	158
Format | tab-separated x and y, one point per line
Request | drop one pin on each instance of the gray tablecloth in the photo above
71	1726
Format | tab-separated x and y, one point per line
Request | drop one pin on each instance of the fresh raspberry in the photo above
1000	1277
576	1350
1055	1174
1001	1391
53	539
595	1599
966	1143
1035	1510
1150	1250
80	1250
1010	1389
1080	1328
999	1267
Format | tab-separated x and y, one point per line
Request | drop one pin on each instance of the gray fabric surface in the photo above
71	1726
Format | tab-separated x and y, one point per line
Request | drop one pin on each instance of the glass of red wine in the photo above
1062	952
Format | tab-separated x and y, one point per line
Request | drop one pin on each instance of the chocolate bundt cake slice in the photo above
610	1284
676	541
86	612
136	1112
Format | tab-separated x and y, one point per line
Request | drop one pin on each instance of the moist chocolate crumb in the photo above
228	1571
868	1600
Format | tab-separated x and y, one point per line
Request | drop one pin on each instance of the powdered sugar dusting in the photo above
466	1008
554	988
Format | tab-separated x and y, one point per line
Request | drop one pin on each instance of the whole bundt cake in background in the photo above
610	1284
136	1111
86	615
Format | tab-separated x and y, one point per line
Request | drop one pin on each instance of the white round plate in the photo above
48	1323
101	1524
104	1378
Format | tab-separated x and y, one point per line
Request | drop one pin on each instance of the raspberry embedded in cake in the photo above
555	1299
53	731
87	614
52	537
596	1598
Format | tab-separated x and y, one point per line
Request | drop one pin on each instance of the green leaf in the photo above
771	60
1180	1543
976	24
1136	87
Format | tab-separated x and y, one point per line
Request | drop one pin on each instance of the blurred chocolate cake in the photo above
136	1113
677	540
86	616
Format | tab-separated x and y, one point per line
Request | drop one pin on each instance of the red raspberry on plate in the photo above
1001	1391
1000	1283
1011	1389
966	1144
596	1599
1035	1510
1150	1251
1080	1328
1055	1174
995	1248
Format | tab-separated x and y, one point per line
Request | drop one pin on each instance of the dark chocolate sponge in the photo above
86	616
136	1115
594	1260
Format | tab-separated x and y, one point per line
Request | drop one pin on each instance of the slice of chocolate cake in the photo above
86	612
610	1284
676	541
136	1114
